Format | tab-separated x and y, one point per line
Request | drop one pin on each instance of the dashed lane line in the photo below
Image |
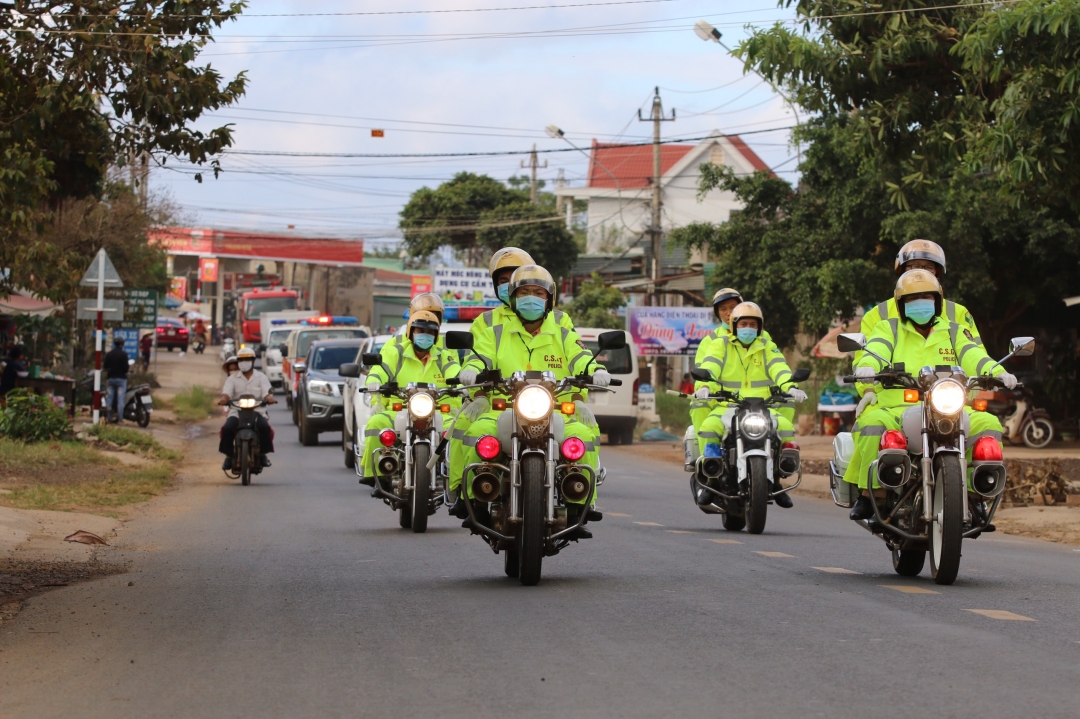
776	555
836	570
725	541
908	589
616	514
649	524
680	531
1001	614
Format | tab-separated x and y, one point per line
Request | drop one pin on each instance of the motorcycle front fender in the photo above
740	463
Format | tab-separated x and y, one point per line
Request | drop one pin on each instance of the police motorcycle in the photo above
246	453
410	473
922	467
741	474
530	470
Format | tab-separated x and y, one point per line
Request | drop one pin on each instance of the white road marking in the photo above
649	524
680	531
777	555
616	514
909	589
836	570
1001	614
725	541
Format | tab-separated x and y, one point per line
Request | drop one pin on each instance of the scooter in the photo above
138	404
1020	419
246	451
198	344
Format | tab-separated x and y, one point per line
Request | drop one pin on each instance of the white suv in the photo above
616	412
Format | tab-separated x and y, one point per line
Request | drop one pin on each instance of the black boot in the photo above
458	509
862	509
782	500
480	511
573	513
265	461
704	498
227	464
981	515
593	515
369	481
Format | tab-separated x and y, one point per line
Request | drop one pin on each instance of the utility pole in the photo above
560	182
534	165
655	232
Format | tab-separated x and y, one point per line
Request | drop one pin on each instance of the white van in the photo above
616	412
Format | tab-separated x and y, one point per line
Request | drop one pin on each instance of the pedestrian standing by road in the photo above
116	366
13	369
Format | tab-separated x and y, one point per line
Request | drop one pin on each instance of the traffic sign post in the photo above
101	274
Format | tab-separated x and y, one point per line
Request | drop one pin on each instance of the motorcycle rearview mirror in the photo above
615	340
459	340
801	375
371	359
349	369
1022	346
284	349
701	375
851	342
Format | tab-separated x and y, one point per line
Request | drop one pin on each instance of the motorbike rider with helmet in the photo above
416	357
426	302
502	265
749	363
921	336
532	339
247	380
914	255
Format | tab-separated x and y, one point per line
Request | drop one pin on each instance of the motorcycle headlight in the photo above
421	405
247	403
754	425
947	397
534	403
318	386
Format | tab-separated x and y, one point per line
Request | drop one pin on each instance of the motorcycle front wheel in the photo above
530	542
758	504
946	531
1038	433
421	488
245	463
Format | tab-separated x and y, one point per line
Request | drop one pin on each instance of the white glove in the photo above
584	415
868	399
601	378
373	386
797	394
476	409
1009	380
467	376
702	393
862	372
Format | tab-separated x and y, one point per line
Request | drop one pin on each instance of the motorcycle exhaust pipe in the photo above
575	487
893	468
988	479
387	464
486	487
712	467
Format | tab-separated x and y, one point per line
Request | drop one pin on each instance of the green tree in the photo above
86	88
594	305
533	228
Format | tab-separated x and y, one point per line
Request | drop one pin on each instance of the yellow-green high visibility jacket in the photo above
400	364
750	371
501	313
948	343
888	310
509	347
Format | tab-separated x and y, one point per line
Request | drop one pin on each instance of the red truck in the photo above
257	301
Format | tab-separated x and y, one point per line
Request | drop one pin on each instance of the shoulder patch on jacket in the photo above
967	333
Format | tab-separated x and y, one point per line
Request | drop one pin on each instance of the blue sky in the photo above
450	82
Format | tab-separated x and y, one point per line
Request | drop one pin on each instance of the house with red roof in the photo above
620	183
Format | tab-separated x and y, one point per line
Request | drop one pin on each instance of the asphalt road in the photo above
299	597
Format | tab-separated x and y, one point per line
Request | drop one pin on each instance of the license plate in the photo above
172	332
146	399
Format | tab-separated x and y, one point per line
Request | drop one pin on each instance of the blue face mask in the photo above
531	308
504	293
746	335
725	325
919	311
423	341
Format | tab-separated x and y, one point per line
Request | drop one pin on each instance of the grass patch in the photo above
133	441
674	412
194	404
125	486
17	456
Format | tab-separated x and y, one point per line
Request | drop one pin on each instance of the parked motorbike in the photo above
921	469
246	452
530	470
409	476
741	475
138	404
1021	421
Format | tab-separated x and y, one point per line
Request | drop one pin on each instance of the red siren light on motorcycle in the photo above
791	445
893	439
986	449
387	437
488	447
573	449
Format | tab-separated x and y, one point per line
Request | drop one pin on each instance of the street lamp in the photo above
707	32
554	132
